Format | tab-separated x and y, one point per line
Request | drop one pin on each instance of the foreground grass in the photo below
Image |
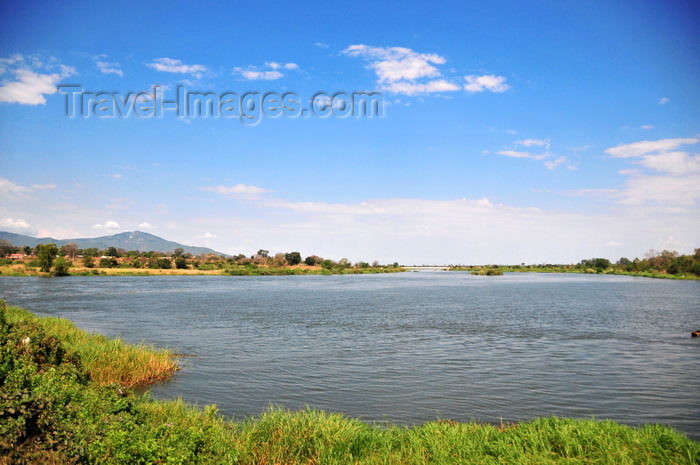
108	361
51	411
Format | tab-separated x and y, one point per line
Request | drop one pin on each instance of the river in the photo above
407	347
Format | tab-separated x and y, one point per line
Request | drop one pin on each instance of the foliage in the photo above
108	262
46	255
61	267
293	258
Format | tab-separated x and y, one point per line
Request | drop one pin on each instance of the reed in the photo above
108	361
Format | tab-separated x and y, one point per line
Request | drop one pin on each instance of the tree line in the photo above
56	260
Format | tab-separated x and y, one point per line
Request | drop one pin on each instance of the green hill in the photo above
136	240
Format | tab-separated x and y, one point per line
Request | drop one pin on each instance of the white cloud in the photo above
107	226
170	65
664	100
637	149
399	69
237	190
531	142
207	235
666	190
18	226
489	82
146	226
554	163
43	186
11	190
678	183
109	68
672	162
269	71
516	154
321	45
29	86
646	127
116	176
433	231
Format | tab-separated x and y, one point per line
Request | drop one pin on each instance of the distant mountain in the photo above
136	240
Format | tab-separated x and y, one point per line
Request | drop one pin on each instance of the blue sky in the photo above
512	131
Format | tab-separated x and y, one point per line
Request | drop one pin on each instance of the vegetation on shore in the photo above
48	260
665	264
54	410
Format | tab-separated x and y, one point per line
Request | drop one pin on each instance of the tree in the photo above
293	258
61	267
27	250
88	261
70	251
46	255
177	253
109	262
278	259
263	253
112	252
90	253
6	248
180	263
311	260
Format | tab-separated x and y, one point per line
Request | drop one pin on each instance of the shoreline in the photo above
98	419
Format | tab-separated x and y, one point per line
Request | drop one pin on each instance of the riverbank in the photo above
567	269
57	406
234	270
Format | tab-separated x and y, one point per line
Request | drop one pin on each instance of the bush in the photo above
108	262
60	267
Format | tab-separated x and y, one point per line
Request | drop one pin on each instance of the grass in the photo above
52	411
108	361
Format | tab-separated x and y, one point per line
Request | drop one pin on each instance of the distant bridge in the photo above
427	268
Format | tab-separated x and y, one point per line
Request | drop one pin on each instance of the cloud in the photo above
116	176
146	226
43	186
207	235
637	149
321	45
29	84
675	180
433	231
239	190
270	71
18	226
107	226
170	65
664	100
531	142
398	69
487	82
554	163
11	190
109	68
516	154
646	127
672	162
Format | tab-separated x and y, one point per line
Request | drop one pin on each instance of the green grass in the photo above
51	411
107	360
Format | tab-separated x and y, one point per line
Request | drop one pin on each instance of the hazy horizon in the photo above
509	132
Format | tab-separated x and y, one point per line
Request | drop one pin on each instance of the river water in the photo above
408	347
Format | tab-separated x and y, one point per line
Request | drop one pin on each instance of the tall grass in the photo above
107	360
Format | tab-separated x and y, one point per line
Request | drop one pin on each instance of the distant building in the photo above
16	256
